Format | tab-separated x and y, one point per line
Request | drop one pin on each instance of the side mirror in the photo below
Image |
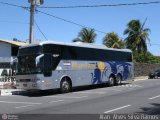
39	60
14	63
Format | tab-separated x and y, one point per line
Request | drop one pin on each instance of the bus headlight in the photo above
34	85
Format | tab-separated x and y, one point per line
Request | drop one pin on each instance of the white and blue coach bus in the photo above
51	65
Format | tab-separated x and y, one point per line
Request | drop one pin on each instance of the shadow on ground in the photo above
57	91
154	110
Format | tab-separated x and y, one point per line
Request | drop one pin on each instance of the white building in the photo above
8	51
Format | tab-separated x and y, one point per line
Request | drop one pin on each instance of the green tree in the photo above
137	36
112	40
146	57
86	35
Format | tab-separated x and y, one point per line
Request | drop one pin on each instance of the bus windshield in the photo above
30	50
27	60
27	64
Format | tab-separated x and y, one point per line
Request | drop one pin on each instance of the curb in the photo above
5	92
141	78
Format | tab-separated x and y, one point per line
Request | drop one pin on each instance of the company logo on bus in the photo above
103	70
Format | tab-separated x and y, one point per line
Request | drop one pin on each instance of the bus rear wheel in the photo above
65	85
118	79
111	81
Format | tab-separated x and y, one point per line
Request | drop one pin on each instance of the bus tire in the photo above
118	80
155	77
111	81
65	85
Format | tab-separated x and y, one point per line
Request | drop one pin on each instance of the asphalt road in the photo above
140	97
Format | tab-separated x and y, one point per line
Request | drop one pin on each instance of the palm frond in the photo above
137	36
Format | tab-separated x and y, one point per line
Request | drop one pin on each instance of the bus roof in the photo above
77	44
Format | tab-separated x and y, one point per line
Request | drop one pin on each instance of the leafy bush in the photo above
146	58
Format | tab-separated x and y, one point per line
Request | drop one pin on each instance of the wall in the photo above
5	50
7	79
143	69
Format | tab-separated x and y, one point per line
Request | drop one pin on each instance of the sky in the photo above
14	21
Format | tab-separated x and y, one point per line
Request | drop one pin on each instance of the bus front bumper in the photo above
27	85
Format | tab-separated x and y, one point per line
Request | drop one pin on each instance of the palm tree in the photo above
119	44
86	35
112	40
137	36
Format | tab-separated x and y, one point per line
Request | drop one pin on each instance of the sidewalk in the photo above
7	92
140	78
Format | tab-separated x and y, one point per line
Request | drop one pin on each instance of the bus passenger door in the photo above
47	65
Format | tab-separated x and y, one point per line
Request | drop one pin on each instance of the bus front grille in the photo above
25	80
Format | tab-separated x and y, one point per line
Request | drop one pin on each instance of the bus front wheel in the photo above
65	85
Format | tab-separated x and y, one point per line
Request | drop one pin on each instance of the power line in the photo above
68	21
104	5
77	24
14	5
27	8
40	30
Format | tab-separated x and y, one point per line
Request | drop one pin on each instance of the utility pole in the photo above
32	11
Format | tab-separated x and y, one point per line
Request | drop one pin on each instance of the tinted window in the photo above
51	49
157	70
90	54
27	65
84	53
110	55
68	53
14	51
87	54
4	65
30	50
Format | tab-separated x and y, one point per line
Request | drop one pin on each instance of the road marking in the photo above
141	79
129	86
138	86
154	97
102	93
117	108
91	92
56	101
23	106
67	97
20	102
117	90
